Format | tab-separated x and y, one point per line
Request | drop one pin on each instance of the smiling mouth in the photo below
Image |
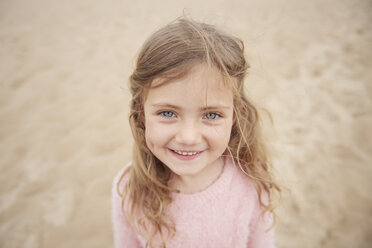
186	153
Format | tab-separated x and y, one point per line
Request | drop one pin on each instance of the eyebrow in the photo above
167	105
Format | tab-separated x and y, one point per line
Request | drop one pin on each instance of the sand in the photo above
64	105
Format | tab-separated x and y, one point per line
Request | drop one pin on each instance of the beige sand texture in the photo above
64	105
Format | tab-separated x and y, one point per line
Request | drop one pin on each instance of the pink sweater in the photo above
226	214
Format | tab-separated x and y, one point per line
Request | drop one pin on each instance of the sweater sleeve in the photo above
124	236
261	233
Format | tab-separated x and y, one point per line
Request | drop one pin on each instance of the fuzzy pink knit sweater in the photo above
226	214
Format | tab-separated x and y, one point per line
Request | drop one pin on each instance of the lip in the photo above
186	157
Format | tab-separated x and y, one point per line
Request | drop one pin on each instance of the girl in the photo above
199	176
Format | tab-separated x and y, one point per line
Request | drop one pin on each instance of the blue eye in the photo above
167	114
211	116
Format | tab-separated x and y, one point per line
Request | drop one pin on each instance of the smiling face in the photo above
188	124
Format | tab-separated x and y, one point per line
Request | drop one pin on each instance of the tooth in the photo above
185	153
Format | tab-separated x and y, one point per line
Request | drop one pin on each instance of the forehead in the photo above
202	85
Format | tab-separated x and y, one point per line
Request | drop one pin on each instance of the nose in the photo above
189	133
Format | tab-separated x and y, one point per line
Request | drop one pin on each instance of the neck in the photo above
196	183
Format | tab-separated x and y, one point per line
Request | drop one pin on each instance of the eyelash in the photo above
216	116
166	113
163	114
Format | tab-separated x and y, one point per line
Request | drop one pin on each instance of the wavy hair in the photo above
168	54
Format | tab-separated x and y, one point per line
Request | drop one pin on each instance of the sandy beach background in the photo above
64	105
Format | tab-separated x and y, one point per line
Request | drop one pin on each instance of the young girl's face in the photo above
188	122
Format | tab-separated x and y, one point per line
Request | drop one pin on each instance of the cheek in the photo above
149	134
155	134
148	139
228	132
225	139
221	135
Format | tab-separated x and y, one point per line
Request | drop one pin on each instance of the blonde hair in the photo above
168	54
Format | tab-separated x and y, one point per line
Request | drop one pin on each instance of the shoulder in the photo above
246	196
241	182
243	192
120	179
117	190
124	236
